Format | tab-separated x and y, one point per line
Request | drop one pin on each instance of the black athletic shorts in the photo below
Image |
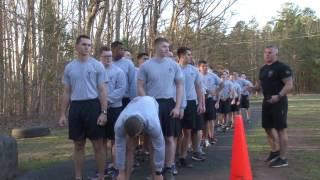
199	123
275	115
224	106
210	113
235	107
125	102
190	115
244	102
170	126
113	114
83	116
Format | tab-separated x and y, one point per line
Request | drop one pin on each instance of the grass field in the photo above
304	141
304	144
43	151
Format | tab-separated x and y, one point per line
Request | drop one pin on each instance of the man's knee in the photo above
79	145
282	132
169	140
268	131
187	133
98	145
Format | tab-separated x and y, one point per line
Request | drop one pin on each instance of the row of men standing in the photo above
98	92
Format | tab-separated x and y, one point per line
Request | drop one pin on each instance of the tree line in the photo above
37	40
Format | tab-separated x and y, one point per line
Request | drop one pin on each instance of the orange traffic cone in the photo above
240	163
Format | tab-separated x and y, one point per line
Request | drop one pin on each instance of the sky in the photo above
264	10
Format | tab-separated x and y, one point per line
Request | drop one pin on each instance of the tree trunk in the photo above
97	37
1	59
118	19
144	11
92	13
26	56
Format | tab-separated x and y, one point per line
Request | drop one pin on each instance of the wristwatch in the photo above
104	112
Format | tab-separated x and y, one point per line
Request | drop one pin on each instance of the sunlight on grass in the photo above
43	151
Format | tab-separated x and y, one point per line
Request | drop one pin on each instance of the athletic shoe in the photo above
206	143
279	162
168	174
202	153
272	156
184	163
220	129
174	170
213	141
114	173
196	156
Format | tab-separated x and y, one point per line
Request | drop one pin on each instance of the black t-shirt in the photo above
271	76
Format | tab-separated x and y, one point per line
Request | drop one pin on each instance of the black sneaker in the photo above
213	141
168	174
197	156
279	162
272	156
184	163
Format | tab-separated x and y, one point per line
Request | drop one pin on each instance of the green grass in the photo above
41	152
304	126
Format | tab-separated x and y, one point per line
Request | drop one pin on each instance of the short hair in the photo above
140	55
202	62
116	44
271	46
104	48
82	36
133	125
182	51
160	40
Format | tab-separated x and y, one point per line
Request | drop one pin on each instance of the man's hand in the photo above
102	120
216	105
238	102
175	113
181	114
200	109
274	99
233	101
62	121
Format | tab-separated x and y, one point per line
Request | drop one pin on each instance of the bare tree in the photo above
102	19
118	19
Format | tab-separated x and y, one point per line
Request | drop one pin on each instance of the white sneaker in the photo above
206	143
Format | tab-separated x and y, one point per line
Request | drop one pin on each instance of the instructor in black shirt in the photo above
275	79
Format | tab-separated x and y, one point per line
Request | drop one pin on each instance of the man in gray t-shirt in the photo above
140	116
194	107
212	86
128	68
85	92
161	78
116	87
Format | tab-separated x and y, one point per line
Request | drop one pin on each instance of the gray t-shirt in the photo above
237	88
83	78
147	109
191	79
127	66
116	86
160	77
227	90
245	84
210	82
